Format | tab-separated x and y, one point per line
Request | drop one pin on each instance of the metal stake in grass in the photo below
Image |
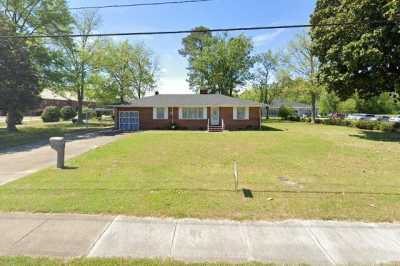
235	174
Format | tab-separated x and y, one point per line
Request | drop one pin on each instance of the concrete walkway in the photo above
23	160
313	242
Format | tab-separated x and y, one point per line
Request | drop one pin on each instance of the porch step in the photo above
215	129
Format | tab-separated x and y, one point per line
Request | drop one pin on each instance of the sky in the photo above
213	14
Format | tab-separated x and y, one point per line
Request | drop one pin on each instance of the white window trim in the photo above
205	113
246	115
155	113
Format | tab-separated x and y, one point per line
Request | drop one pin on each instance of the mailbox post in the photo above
58	144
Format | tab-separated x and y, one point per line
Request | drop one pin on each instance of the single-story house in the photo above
299	108
211	112
50	98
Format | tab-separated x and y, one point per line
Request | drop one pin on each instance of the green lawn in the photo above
25	261
34	131
293	170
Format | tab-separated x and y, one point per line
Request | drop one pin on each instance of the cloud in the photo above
263	39
176	85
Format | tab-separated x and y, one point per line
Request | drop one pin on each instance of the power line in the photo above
198	31
141	4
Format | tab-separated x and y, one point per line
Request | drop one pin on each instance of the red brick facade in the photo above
226	114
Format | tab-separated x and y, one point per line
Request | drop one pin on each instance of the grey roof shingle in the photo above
171	100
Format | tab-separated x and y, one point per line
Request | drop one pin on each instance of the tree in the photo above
193	45
329	102
19	81
305	64
361	52
223	64
265	67
26	18
77	63
126	71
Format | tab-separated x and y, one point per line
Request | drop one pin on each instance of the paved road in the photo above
313	242
18	162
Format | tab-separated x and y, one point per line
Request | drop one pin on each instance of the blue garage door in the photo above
129	121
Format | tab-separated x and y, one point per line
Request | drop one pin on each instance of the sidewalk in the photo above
23	160
313	242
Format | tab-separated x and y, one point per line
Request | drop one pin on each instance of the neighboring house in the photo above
300	108
211	112
50	98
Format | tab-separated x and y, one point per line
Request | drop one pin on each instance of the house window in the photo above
241	113
193	113
160	113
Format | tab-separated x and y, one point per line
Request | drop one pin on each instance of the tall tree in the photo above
128	71
193	46
361	53
223	64
265	67
305	64
77	64
19	81
26	18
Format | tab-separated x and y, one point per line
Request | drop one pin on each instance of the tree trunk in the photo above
313	106
80	107
11	119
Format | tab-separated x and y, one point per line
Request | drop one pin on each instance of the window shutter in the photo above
247	113
154	113
204	113
166	114
180	113
234	113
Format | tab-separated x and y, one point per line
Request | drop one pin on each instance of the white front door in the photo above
214	116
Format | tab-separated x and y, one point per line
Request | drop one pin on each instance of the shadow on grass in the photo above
66	167
247	193
268	128
378	136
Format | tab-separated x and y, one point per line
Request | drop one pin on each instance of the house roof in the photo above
51	95
170	100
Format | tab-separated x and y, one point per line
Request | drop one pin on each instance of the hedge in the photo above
361	124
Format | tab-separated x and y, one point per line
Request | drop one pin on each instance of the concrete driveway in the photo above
191	240
23	160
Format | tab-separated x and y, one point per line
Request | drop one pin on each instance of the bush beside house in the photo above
67	113
51	114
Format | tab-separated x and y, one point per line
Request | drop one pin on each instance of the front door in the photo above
214	116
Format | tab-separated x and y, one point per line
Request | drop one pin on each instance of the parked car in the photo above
395	118
366	117
383	118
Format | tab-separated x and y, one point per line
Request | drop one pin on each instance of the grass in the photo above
34	131
290	170
25	261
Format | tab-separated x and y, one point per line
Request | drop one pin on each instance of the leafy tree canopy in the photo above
217	63
126	71
363	56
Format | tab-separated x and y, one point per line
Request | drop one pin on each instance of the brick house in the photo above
211	112
50	98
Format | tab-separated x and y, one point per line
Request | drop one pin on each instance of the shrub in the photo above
51	114
67	113
285	112
337	122
396	126
368	125
293	118
386	127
